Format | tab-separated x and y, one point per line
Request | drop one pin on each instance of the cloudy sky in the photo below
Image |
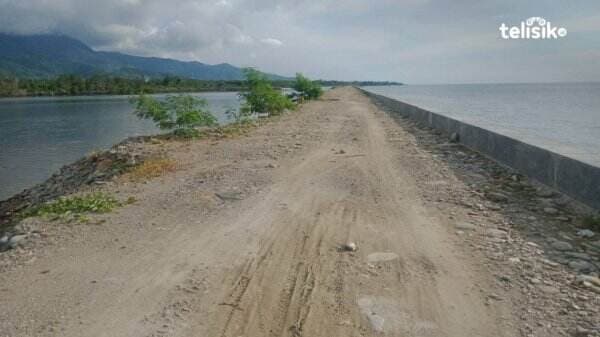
413	41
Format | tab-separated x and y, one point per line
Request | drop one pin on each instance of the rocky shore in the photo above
95	168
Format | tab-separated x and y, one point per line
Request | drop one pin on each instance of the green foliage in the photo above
307	88
181	113
74	206
261	97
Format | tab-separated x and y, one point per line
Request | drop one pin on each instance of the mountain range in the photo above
49	55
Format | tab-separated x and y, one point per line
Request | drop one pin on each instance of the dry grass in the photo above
152	168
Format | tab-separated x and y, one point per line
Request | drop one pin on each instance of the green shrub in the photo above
76	205
306	88
181	113
261	97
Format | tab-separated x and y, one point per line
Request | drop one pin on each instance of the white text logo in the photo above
533	28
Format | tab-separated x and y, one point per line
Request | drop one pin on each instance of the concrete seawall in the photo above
576	179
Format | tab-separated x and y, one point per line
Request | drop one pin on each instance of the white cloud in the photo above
271	42
410	41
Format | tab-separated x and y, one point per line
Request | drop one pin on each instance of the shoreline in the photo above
254	221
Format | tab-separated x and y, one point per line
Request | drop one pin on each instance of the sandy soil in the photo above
244	240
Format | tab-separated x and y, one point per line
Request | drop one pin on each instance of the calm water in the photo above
40	135
562	117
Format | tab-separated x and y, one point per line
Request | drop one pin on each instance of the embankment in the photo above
576	179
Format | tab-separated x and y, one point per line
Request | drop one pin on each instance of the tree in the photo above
308	89
181	113
261	97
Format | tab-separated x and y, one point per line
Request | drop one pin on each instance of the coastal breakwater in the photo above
574	178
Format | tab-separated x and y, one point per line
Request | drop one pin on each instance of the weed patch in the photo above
76	206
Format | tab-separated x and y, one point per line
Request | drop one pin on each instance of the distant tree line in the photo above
68	85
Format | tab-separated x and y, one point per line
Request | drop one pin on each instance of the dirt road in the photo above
243	240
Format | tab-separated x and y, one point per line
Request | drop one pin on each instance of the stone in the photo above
544	193
581	266
550	210
495	297
4	243
376	322
580	256
465	226
16	241
454	137
495	233
497	196
350	247
582	332
588	278
561	245
585	233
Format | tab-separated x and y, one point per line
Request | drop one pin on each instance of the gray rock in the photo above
581	266
495	233
588	278
350	247
561	245
4	243
585	233
582	332
465	226
454	137
497	196
580	256
16	241
550	210
545	193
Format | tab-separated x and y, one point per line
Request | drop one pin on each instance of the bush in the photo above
308	89
261	97
74	206
181	113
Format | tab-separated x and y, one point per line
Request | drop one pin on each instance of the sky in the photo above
410	41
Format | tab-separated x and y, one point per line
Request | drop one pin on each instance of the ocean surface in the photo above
40	135
561	117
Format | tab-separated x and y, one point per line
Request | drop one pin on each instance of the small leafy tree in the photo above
181	113
308	89
261	97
